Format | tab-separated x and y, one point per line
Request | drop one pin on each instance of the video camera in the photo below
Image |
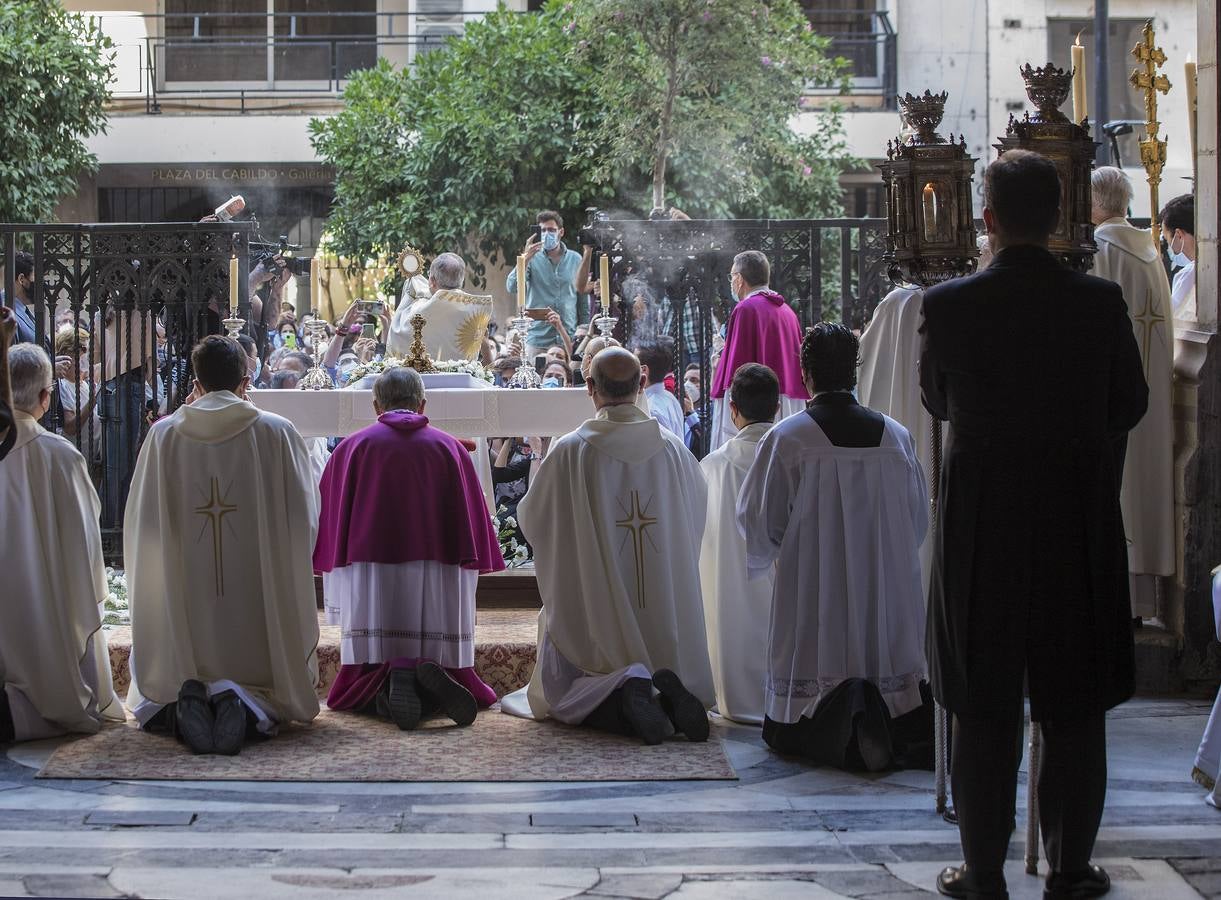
587	236
265	254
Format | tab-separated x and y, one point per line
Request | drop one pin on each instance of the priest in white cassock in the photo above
218	537
836	500
615	515
54	666
735	606
404	535
456	322
1128	257
888	379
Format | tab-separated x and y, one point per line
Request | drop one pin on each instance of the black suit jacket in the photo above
1036	369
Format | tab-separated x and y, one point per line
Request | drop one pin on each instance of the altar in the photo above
478	411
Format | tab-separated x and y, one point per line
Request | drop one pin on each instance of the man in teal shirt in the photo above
550	284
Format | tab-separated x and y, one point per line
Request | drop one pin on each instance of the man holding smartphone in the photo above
550	284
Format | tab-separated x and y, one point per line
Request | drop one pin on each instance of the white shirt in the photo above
665	408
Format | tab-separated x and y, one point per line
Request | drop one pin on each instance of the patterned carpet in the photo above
504	650
351	747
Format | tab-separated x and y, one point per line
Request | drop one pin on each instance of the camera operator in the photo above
550	284
266	289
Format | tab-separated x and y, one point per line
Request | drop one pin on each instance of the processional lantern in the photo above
1067	144
930	229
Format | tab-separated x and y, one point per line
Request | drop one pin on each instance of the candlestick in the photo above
1189	81
521	285
1079	110
233	287
604	281
314	286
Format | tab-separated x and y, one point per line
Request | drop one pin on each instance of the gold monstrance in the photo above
1152	149
417	356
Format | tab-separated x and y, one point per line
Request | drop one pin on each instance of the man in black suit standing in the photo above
1036	368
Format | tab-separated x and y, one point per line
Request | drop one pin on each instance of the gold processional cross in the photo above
636	521
1152	149
214	511
1149	318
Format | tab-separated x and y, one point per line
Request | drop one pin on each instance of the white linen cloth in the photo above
1128	257
422	609
842	525
736	608
615	514
218	540
53	659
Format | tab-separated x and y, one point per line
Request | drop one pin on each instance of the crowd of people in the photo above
779	581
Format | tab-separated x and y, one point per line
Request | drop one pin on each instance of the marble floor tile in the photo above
778	889
264	840
680	840
1130	879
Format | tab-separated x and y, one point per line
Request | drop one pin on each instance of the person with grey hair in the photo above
615	515
54	666
456	322
1129	258
402	586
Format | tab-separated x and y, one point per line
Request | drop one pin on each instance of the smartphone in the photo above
368	330
290	340
540	363
538	315
536	232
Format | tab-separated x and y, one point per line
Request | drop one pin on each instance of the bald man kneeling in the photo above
615	516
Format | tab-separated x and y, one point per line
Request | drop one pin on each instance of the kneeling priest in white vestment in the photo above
615	515
403	538
54	666
456	322
836	499
735	606
217	537
1129	258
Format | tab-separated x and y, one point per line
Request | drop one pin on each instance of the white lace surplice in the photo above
843	525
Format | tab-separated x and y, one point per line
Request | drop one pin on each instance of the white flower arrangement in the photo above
470	367
516	553
115	609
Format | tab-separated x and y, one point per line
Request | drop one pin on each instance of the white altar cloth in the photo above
476	413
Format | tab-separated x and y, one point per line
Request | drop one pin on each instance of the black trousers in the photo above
1072	789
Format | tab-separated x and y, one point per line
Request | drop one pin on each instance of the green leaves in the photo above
54	70
567	108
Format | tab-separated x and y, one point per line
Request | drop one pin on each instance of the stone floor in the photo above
784	830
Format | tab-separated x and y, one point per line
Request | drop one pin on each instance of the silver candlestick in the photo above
525	376
233	325
317	378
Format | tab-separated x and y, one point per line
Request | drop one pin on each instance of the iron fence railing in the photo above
140	297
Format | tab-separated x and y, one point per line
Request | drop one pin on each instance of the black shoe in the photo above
452	698
956	881
402	699
1094	882
229	730
194	717
642	712
682	706
950	815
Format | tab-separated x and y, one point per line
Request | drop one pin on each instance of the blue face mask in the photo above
258	370
551	240
552	382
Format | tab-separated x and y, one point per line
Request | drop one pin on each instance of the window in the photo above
1123	102
854	30
265	42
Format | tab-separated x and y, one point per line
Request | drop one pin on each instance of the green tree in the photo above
54	70
461	152
703	92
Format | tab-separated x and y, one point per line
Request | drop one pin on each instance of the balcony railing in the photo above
300	56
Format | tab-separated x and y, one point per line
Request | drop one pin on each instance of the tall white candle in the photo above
1079	109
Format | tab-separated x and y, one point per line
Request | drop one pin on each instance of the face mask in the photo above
551	240
1177	257
693	391
552	382
258	370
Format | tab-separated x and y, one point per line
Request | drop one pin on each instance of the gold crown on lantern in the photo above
1047	87
924	113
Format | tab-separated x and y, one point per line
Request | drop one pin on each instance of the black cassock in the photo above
1036	369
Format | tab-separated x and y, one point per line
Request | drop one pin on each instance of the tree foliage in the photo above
55	67
557	109
706	89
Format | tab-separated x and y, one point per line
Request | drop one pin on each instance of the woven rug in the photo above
504	650
351	747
